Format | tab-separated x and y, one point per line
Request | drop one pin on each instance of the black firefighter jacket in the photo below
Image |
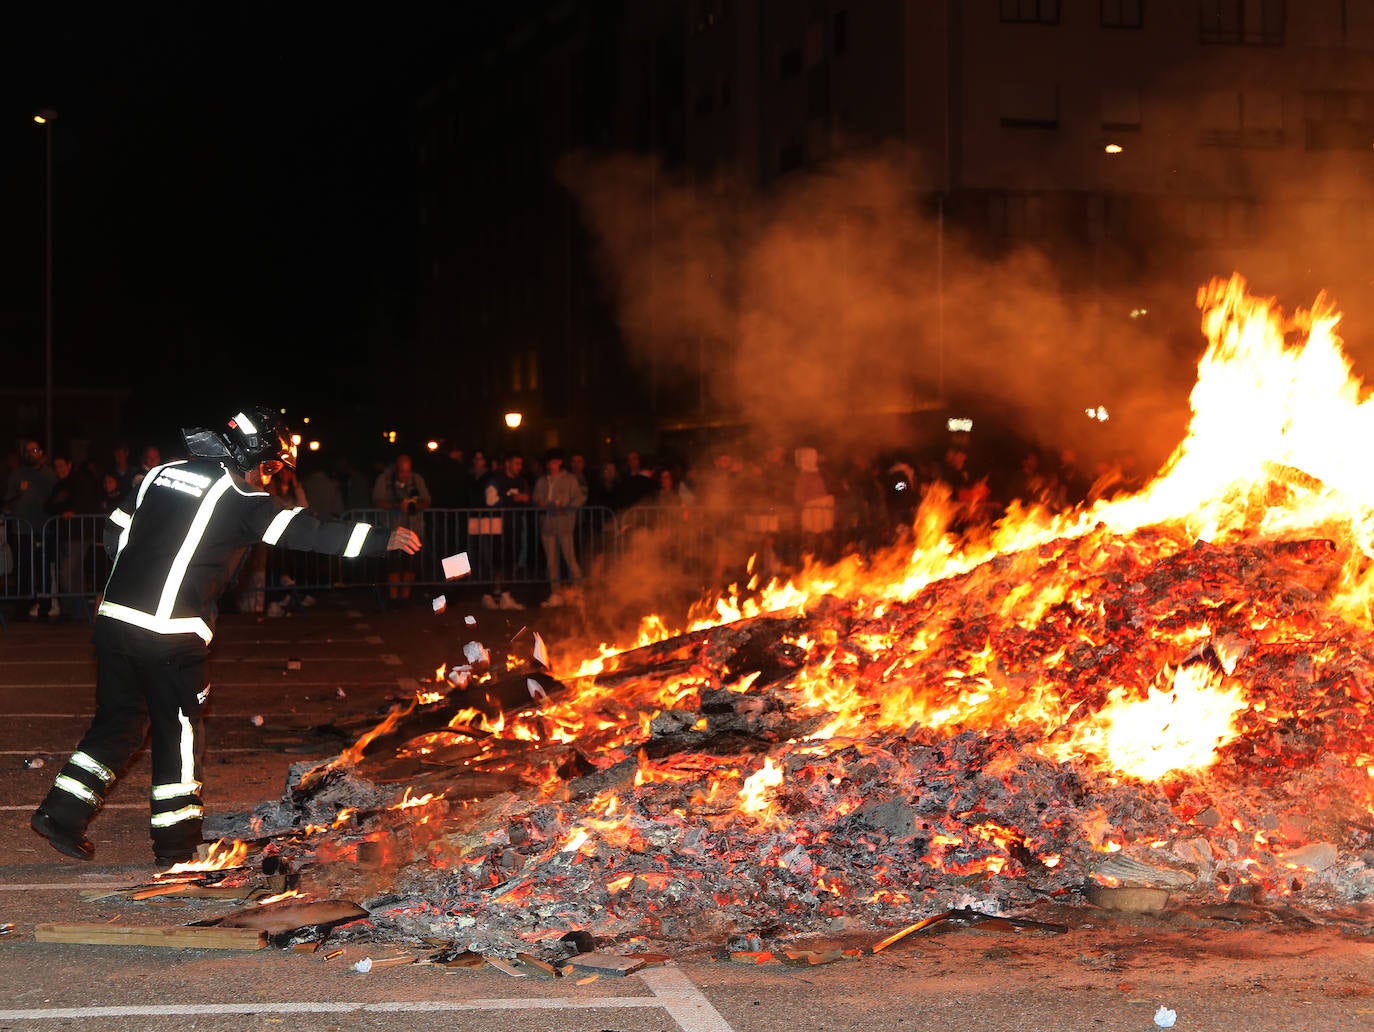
180	541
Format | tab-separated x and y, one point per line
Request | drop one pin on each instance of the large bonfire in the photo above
1170	689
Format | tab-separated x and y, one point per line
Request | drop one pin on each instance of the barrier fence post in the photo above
19	573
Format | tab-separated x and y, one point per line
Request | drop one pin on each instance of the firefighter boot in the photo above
64	840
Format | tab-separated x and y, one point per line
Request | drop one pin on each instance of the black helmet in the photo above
254	436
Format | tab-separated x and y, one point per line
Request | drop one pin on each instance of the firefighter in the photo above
176	544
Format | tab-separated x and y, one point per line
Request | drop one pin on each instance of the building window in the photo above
1016	215
1045	12
1123	14
1121	110
818	92
1224	220
1339	120
1029	106
1250	119
1253	22
706	15
1355	220
790	63
840	37
815	44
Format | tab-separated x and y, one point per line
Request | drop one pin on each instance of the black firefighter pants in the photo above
143	679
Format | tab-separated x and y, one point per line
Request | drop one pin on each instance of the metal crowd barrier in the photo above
74	566
18	562
504	547
66	560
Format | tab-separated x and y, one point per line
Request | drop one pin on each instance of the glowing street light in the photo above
432	445
514	419
1113	148
314	446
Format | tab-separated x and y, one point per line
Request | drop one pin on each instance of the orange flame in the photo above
754	793
218	857
1175	730
410	802
350	756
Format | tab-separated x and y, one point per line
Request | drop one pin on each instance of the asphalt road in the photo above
1110	972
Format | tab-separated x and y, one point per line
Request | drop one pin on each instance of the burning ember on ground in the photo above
1170	689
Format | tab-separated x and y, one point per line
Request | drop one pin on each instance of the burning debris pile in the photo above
1170	691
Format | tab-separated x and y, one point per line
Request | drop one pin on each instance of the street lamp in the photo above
46	118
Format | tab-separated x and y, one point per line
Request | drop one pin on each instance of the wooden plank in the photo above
532	965
183	888
605	964
179	936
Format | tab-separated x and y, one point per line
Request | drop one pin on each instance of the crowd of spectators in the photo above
554	515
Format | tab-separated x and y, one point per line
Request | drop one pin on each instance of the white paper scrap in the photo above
541	654
456	566
471	621
363	966
1165	1018
440	603
535	689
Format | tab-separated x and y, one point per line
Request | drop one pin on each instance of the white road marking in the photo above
209	716
672	991
65	750
106	806
323	1007
214	683
45	662
684	1002
258	659
68	886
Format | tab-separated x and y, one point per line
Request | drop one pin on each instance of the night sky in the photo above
233	199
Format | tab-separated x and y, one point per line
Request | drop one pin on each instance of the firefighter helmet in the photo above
254	436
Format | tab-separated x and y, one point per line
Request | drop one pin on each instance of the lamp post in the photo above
46	118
